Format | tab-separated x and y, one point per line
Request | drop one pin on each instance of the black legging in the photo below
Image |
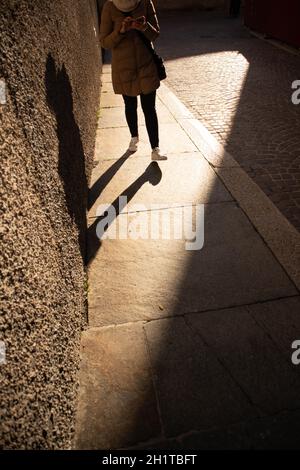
148	106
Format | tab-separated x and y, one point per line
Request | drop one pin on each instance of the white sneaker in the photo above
157	155
133	144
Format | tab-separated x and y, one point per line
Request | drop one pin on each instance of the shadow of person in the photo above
104	179
71	158
152	175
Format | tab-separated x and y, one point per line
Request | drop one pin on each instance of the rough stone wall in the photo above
50	62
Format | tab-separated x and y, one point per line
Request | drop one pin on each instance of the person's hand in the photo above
126	25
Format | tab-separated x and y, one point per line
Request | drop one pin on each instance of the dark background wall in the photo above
50	62
276	19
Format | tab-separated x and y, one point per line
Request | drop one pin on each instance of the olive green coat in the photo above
133	69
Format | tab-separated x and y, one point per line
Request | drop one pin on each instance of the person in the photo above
134	72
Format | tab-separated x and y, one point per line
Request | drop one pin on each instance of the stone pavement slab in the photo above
281	322
106	77
116	387
159	278
270	433
282	238
281	431
106	86
110	100
184	179
113	142
194	390
251	357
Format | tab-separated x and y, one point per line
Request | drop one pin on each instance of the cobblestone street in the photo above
240	87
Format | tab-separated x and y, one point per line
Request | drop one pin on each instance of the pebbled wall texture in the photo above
50	64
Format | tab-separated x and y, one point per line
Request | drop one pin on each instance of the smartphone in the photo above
140	20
